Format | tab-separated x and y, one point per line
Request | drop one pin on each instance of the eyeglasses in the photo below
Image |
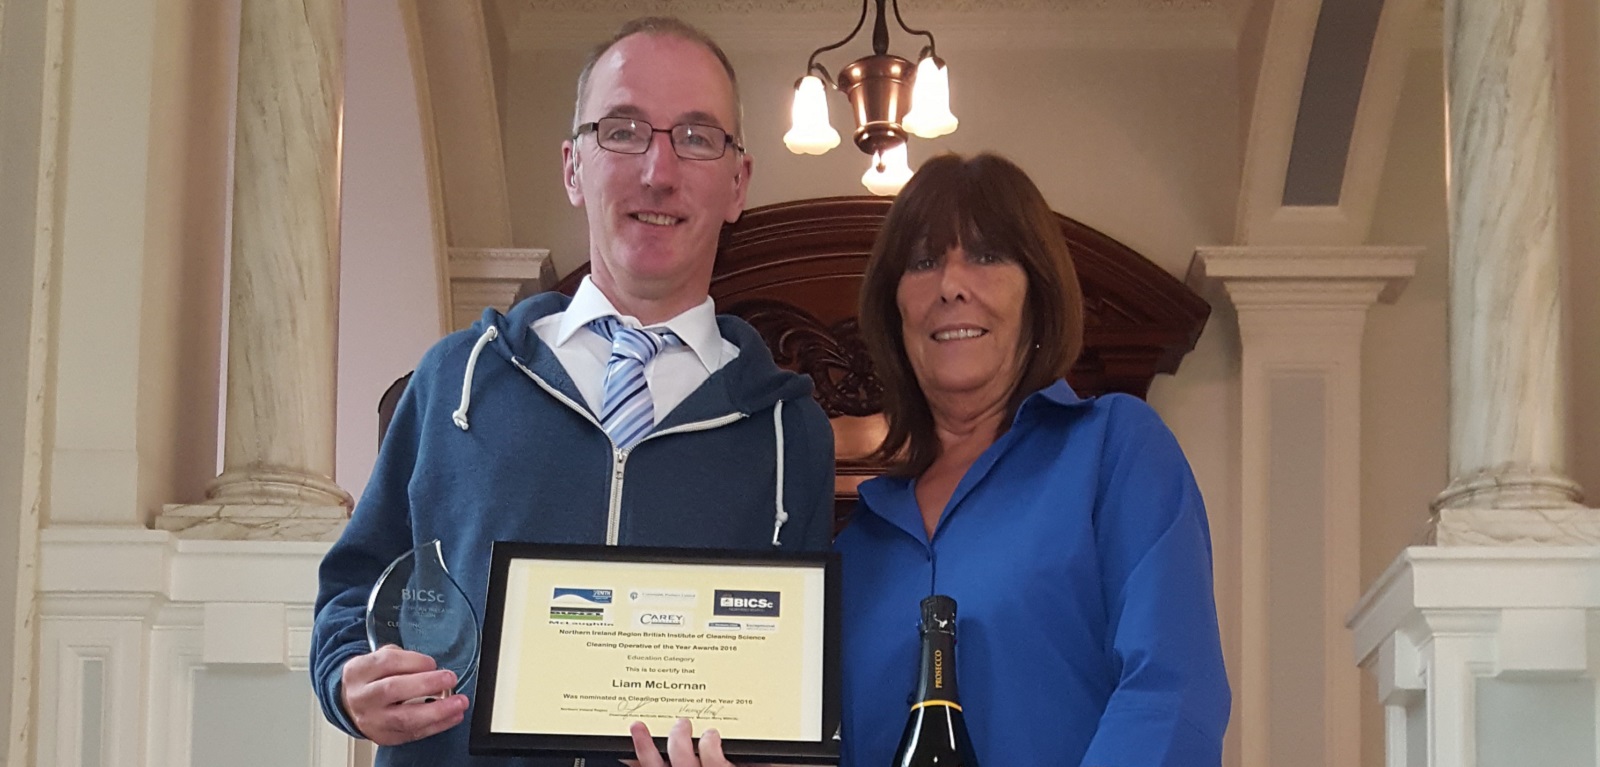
626	135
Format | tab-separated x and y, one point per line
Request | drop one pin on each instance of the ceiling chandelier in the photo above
890	96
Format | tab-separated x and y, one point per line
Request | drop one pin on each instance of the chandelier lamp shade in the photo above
891	99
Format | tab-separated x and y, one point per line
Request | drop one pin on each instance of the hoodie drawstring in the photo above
460	415
781	516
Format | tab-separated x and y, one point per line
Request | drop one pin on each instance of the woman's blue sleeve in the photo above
1171	703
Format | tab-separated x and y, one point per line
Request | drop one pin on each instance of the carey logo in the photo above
654	619
759	603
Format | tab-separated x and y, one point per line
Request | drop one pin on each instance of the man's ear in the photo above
741	187
571	174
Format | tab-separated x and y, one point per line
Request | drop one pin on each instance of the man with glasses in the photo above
630	415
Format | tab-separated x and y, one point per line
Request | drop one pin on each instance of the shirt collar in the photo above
1059	393
697	326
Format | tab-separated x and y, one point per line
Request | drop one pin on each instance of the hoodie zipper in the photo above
619	457
620	460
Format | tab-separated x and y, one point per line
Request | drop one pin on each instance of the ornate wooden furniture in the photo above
793	270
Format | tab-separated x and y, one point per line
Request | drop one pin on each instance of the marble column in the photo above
282	312
1508	402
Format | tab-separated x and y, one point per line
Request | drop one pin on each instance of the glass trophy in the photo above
418	606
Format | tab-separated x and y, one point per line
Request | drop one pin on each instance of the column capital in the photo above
482	277
1305	275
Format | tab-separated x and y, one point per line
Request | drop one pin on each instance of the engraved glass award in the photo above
418	606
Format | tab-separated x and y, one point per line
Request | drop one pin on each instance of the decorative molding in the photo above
482	277
1577	526
969	25
1426	582
499	263
67	647
175	660
131	560
1440	620
155	609
254	521
1389	267
849	7
116	564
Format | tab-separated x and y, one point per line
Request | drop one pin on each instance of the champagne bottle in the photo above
936	732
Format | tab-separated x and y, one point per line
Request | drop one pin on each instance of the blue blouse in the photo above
1077	550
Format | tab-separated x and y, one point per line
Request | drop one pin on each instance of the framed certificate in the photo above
579	642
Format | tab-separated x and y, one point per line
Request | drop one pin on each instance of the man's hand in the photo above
680	747
374	689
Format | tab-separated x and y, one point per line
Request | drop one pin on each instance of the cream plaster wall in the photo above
195	54
1578	74
388	286
104	183
141	182
1404	421
1404	391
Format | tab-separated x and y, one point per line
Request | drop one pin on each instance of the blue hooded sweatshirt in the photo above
492	442
1077	551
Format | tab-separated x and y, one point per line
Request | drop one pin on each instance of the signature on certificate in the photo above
702	711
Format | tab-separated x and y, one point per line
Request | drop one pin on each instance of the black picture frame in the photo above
486	742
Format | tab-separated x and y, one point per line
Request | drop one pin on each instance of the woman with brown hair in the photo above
1069	531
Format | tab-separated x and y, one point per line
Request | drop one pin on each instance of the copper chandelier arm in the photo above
928	51
812	65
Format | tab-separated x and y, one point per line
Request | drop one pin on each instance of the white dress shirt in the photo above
672	374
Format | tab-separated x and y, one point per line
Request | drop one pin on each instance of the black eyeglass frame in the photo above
594	127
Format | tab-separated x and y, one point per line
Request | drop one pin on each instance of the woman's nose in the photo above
953	279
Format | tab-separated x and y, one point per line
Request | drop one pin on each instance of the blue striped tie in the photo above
626	411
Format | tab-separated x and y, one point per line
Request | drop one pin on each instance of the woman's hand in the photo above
680	747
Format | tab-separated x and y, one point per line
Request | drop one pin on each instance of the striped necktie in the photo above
626	411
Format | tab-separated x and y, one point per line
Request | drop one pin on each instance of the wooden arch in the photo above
793	270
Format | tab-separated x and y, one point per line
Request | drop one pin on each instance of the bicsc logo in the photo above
421	595
755	603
